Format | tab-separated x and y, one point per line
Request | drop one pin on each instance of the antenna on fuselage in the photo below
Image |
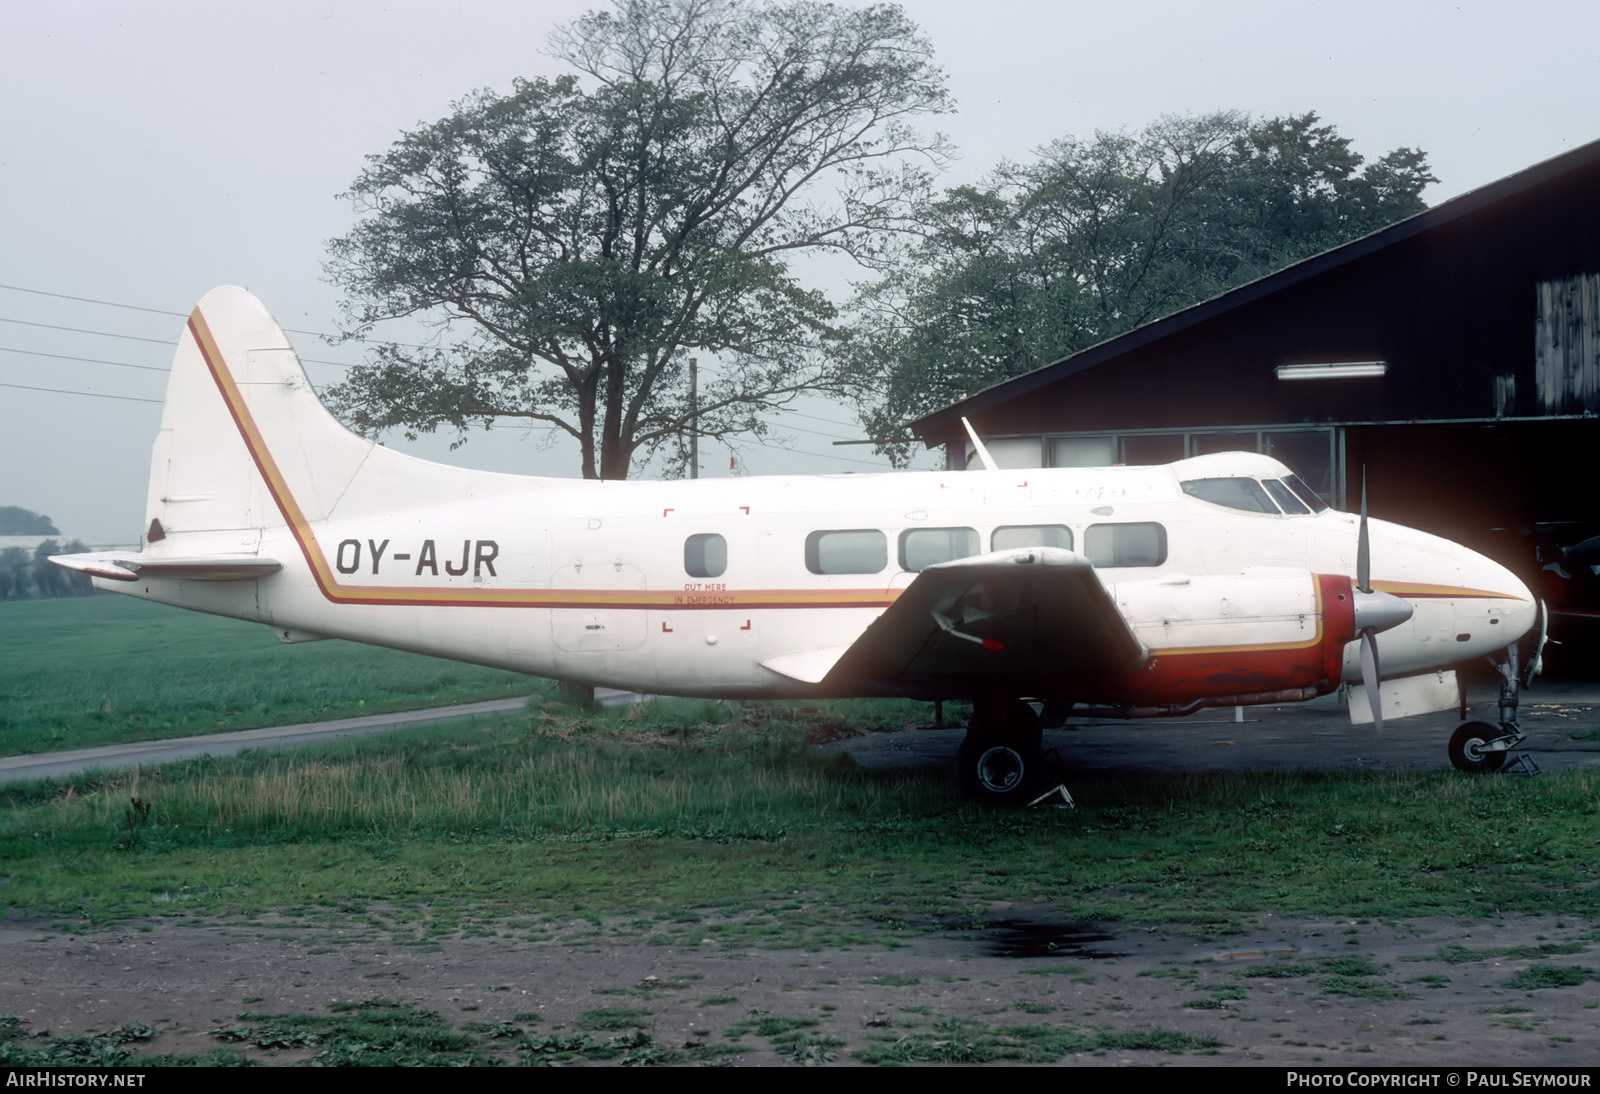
977	445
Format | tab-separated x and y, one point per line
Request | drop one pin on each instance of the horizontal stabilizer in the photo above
126	567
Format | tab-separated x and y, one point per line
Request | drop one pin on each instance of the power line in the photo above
85	360
184	315
307	360
88	300
91	394
82	330
130	338
804	455
813	417
812	432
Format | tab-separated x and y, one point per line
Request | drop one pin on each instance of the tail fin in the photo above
244	444
247	449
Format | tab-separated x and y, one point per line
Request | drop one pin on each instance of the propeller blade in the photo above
1370	675
1364	544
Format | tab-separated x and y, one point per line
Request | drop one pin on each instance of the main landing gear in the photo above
1001	759
1481	748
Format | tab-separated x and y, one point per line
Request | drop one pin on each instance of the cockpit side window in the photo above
1305	493
1285	498
1241	493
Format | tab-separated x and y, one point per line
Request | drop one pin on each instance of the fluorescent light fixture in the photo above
1333	370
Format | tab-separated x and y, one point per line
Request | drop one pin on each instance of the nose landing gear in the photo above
1479	748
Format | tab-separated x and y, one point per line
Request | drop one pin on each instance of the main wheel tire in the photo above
1001	772
1467	751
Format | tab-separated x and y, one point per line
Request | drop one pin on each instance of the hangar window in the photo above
847	551
922	547
1141	544
1031	535
1082	451
1238	493
705	555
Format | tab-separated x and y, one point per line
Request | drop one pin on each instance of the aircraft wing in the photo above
131	567
1023	621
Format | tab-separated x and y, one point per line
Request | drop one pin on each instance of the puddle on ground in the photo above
1031	939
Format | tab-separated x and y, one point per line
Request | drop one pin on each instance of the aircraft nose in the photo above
1505	598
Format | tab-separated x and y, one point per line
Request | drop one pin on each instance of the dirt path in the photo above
1361	998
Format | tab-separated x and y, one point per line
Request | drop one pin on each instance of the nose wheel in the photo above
1478	748
1482	748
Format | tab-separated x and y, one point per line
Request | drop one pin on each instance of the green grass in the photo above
958	1041
720	810
79	672
1455	954
1550	976
614	1018
20	1047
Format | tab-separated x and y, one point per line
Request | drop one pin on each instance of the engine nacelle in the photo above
1273	635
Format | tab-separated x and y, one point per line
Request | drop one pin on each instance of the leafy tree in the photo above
17	521
61	582
592	231
15	573
1094	238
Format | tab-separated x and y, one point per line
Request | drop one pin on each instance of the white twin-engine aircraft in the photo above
1218	580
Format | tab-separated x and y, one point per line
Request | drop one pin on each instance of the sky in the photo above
150	152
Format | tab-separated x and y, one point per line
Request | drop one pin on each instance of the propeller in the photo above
1374	612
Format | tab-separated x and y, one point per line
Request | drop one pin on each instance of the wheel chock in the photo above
1057	798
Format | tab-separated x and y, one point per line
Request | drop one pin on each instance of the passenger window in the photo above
1143	544
1243	494
705	555
922	547
852	551
1031	535
1285	498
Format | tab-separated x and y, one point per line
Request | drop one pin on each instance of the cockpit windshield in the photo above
1288	495
1305	493
1235	493
1285	498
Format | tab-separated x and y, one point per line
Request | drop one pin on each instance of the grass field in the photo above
712	807
678	803
684	821
87	671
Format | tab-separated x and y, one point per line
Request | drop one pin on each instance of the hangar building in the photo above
1455	356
